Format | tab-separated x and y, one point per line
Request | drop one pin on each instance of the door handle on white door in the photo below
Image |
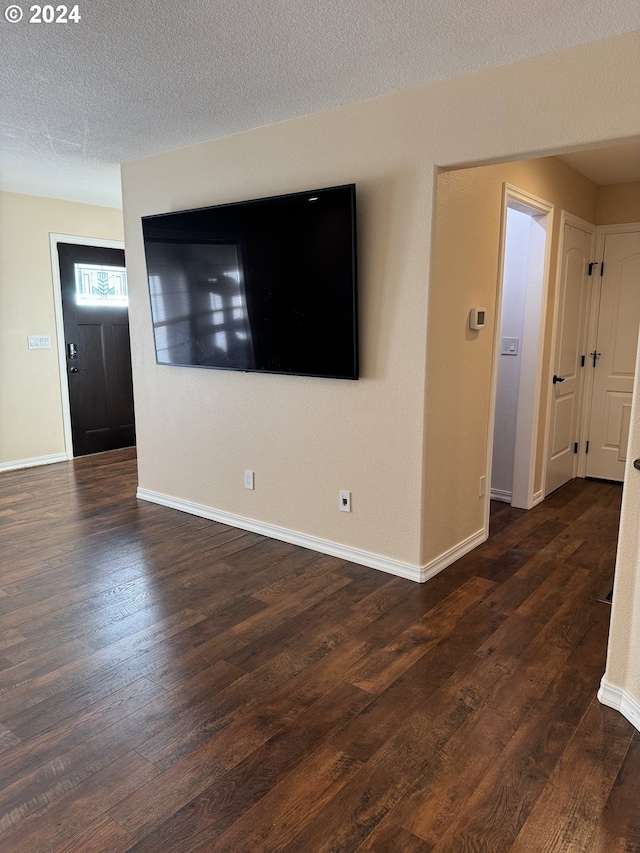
557	379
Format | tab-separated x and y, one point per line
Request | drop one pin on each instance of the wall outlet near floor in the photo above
249	480
482	486
345	500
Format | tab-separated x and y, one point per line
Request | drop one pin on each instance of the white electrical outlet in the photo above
482	487
249	480
345	500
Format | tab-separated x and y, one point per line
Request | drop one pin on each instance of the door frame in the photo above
54	239
567	218
528	406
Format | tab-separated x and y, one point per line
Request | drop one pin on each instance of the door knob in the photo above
636	464
74	370
557	379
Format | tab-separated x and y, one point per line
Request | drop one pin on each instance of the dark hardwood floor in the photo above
171	684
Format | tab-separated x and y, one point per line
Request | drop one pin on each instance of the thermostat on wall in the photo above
477	318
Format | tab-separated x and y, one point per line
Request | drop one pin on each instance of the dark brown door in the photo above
96	328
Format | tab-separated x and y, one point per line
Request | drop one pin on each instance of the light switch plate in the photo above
510	346
39	341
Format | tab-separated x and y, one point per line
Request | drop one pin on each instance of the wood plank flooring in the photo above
171	684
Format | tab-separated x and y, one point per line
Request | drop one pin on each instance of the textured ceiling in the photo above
136	77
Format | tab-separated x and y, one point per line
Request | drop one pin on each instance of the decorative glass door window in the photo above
99	285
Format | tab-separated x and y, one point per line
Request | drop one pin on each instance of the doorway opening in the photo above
518	346
92	326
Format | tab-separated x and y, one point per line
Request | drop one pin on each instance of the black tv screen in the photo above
266	285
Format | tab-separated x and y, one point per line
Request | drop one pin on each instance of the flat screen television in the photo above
267	285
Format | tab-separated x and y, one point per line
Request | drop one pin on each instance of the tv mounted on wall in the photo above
267	285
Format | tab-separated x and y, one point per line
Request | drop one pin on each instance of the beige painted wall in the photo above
394	437
308	438
31	425
623	659
618	203
464	272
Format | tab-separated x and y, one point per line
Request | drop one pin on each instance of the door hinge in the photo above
575	447
601	269
583	360
591	266
586	450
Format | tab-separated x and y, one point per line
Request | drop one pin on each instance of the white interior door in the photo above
566	396
615	353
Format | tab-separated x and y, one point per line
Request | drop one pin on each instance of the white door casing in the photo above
566	393
615	346
54	239
529	395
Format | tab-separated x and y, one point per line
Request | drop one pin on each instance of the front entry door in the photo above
614	357
96	328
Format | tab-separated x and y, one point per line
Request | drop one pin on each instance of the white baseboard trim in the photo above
506	497
452	554
32	463
419	574
501	495
616	697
